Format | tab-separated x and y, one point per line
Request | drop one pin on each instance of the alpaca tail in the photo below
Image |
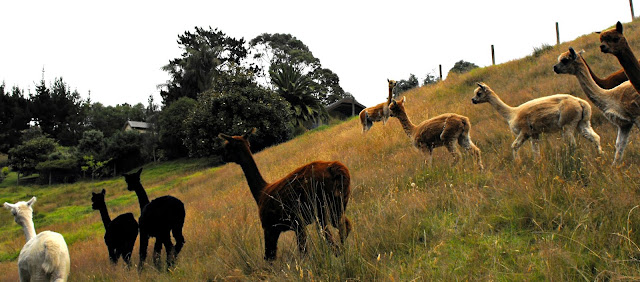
56	256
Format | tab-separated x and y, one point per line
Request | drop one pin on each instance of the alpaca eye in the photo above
615	40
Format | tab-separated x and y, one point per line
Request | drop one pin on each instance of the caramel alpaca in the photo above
443	130
318	191
379	112
560	112
620	105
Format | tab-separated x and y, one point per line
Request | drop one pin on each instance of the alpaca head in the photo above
612	41
392	83
234	145
22	211
132	179
482	93
568	62
397	107
97	200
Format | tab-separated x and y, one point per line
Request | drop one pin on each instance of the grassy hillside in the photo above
569	217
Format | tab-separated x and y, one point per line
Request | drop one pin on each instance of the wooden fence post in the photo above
493	55
633	16
440	72
557	34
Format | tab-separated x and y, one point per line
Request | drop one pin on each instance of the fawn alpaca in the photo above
560	112
45	257
613	42
159	218
318	191
120	233
379	112
620	105
443	130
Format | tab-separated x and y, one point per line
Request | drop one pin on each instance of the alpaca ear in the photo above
225	137
388	80
619	27
139	171
481	85
8	206
393	101
572	52
249	133
31	202
103	192
403	99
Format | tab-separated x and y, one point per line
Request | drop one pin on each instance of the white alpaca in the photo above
45	256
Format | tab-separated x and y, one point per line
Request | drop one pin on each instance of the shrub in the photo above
234	112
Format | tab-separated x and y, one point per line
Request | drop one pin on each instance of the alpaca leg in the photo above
344	228
429	152
569	134
621	142
451	146
144	242
271	236
517	144
157	249
112	255
177	234
171	255
591	135
301	236
535	147
465	142
328	236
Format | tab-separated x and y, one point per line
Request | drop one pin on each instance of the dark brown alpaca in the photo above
613	42
318	191
379	112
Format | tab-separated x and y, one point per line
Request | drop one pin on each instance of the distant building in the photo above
139	126
344	108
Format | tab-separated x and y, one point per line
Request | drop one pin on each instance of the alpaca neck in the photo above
254	179
390	96
143	199
596	79
503	109
29	230
104	214
407	125
630	65
596	94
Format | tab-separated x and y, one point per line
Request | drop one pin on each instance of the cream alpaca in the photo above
45	256
620	105
443	130
560	112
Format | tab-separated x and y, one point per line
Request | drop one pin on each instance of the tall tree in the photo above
207	54
294	87
58	111
276	50
404	85
14	117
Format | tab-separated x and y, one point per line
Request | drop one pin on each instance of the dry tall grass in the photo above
569	217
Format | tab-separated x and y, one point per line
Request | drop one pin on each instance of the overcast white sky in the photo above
115	49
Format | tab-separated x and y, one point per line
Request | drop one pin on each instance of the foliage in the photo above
538	51
25	157
92	143
274	51
124	150
430	78
172	127
243	106
207	55
462	67
93	166
294	87
4	172
404	85
111	119
14	117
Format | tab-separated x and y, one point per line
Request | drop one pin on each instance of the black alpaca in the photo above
120	233
158	218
